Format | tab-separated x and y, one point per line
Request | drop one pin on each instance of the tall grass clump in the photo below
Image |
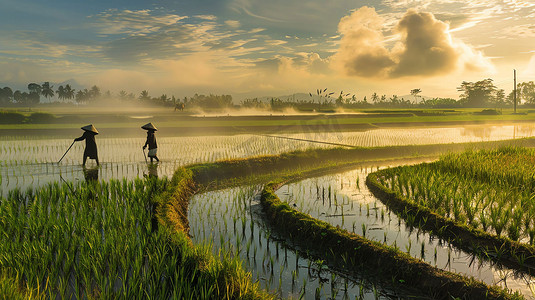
10	288
488	189
100	240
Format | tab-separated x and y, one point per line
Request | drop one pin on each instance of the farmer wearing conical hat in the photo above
151	141
90	145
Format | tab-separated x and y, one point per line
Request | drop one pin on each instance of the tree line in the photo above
481	93
94	95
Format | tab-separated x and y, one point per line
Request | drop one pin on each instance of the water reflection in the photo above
488	132
153	170
91	174
28	162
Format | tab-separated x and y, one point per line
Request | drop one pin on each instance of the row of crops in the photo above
481	201
344	201
230	220
489	190
187	150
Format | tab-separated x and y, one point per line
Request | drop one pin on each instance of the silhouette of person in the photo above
151	141
90	145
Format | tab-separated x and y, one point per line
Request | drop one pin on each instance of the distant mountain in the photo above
72	82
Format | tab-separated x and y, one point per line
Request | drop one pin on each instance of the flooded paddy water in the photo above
32	161
230	220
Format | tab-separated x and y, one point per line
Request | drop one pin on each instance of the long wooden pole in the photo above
66	152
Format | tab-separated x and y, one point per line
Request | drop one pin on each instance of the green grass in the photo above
10	288
480	200
103	241
322	239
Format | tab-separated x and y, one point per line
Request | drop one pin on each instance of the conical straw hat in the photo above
91	128
149	126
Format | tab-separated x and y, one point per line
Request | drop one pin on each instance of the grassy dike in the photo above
264	167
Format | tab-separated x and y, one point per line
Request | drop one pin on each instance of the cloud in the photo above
233	23
138	22
304	63
425	47
519	31
132	37
206	17
362	51
20	71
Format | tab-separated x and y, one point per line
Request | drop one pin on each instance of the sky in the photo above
256	48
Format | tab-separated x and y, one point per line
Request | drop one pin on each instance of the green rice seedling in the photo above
408	246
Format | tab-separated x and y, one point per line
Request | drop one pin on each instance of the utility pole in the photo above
514	90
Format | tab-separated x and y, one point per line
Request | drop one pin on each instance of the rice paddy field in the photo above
344	200
80	233
488	190
32	161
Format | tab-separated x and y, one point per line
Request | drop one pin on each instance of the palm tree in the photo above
47	90
81	95
61	92
144	95
375	98
69	92
123	95
415	93
95	92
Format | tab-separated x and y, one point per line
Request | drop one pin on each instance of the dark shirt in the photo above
151	140
90	144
